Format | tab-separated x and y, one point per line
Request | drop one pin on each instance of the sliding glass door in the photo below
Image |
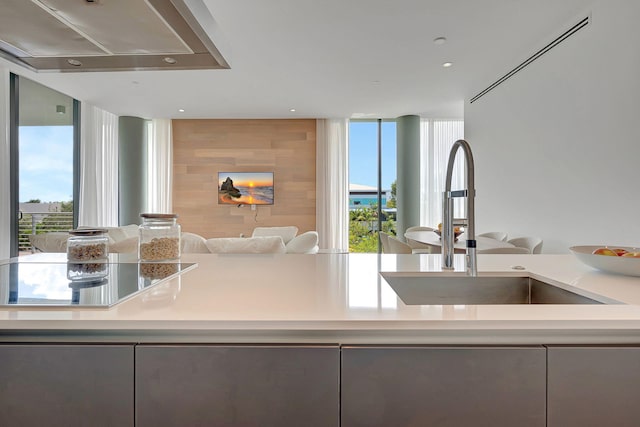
372	177
44	149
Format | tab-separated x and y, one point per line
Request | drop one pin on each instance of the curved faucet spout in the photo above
448	222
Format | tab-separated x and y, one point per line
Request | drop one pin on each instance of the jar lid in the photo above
158	215
88	231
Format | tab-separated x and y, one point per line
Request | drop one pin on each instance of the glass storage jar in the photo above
87	272
159	237
87	245
87	254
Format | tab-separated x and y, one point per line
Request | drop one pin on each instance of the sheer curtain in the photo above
332	184
5	166
160	167
98	204
436	139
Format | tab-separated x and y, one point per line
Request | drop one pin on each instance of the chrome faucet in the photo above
448	222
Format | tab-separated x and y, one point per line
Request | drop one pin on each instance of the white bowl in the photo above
611	264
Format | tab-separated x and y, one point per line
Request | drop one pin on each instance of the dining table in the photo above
432	239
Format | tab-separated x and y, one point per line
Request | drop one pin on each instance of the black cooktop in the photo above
59	284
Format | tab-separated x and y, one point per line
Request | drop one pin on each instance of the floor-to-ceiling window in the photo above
372	177
44	150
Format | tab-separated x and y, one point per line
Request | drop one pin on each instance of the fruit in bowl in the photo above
605	251
615	252
610	259
457	231
631	255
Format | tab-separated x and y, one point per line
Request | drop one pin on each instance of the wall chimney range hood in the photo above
110	35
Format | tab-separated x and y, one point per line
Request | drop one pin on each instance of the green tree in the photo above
368	213
361	239
66	206
34	201
391	203
389	226
363	224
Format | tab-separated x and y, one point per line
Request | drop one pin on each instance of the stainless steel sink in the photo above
462	289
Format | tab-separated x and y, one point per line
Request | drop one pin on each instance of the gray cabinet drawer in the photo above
211	385
66	385
593	386
443	386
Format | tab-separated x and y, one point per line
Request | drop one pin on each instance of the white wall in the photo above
557	147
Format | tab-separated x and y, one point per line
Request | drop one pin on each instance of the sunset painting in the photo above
245	188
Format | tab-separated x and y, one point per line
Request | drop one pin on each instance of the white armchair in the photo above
533	244
498	235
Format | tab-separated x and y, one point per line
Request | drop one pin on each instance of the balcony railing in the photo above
41	222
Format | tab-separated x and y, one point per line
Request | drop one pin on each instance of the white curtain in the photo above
160	167
332	184
5	166
436	139
98	204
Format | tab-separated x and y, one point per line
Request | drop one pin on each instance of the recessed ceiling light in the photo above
170	60
74	62
447	64
181	110
293	110
439	40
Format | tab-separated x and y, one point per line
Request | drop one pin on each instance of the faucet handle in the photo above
461	193
457	193
460	222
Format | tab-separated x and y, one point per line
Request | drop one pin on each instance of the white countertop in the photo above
339	298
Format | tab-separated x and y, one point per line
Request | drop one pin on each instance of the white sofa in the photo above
267	240
305	243
263	240
121	239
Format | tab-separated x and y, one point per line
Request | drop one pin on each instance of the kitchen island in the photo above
325	340
339	298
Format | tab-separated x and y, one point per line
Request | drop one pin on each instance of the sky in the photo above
363	153
246	179
46	163
46	159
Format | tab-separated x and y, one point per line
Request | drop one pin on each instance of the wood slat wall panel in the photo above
202	148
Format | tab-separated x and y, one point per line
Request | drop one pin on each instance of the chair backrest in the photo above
418	246
514	250
415	245
384	241
534	244
419	228
498	235
398	247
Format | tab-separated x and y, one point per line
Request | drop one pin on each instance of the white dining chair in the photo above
398	247
498	235
534	244
420	228
384	241
414	244
513	250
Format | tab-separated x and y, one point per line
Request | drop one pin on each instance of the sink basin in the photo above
462	289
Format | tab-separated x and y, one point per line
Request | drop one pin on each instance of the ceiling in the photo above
108	35
335	58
